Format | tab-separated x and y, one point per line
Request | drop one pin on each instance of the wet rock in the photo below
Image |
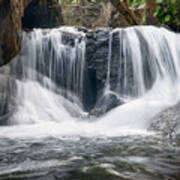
97	49
167	122
97	57
8	91
105	103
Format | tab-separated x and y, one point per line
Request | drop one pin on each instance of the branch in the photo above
127	13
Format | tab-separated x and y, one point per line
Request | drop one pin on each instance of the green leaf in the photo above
159	1
167	18
158	9
155	14
144	19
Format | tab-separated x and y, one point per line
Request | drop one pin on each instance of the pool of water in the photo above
132	157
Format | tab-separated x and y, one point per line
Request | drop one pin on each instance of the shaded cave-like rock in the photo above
42	14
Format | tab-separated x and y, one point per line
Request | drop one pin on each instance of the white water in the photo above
42	110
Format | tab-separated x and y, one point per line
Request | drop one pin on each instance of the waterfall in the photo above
45	82
56	56
147	55
49	68
108	88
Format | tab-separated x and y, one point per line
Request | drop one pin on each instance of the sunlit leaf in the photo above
159	1
167	18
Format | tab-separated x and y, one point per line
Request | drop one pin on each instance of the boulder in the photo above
167	122
105	103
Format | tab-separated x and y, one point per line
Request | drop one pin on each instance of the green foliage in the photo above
168	12
136	3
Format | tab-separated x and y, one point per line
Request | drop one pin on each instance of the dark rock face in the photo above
11	18
97	57
97	49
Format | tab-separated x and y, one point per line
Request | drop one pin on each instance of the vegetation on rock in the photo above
168	12
93	13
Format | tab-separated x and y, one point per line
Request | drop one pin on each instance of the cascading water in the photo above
147	77
42	94
48	55
140	64
51	66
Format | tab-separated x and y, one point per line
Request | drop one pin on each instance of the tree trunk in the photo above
13	14
123	8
